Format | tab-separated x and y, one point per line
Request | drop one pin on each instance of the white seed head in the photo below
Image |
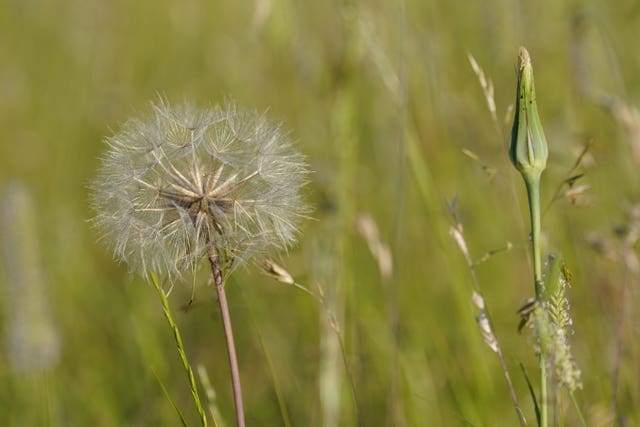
186	178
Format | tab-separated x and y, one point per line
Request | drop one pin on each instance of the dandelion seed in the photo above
187	178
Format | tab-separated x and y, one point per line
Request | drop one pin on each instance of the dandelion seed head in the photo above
187	178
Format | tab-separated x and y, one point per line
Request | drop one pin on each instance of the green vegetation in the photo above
420	223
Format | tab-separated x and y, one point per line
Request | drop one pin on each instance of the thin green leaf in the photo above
173	403
532	392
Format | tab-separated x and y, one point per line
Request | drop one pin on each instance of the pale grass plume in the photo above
627	117
569	189
622	247
368	229
277	272
482	319
489	170
487	87
32	339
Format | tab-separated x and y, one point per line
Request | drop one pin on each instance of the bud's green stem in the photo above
533	193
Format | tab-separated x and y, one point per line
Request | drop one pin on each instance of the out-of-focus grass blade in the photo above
168	396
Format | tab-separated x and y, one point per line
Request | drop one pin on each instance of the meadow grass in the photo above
382	99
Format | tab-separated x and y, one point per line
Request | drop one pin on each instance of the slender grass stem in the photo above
533	192
228	333
181	352
282	276
211	395
617	358
352	382
457	232
514	398
583	421
335	326
276	385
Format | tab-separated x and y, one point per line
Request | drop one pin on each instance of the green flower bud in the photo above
528	150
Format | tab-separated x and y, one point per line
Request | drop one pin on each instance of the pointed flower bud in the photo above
528	150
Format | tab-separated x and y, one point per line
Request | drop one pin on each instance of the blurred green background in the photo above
381	98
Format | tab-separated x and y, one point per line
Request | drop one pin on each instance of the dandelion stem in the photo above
228	333
533	192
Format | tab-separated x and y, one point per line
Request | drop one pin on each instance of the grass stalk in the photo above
286	421
583	421
457	232
228	333
183	420
183	356
617	358
281	275
335	327
210	392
